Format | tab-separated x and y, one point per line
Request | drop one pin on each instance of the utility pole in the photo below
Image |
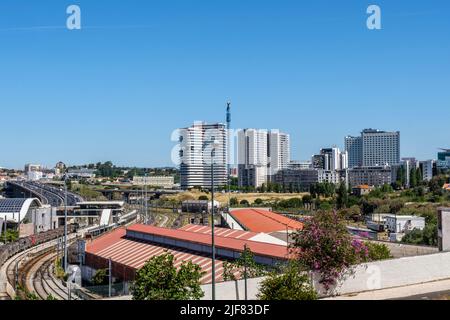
245	273
228	153
146	204
65	224
213	267
110	278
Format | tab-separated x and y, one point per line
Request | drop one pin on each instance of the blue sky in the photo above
137	70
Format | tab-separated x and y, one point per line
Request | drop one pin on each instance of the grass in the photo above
223	197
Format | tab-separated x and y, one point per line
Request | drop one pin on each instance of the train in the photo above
13	248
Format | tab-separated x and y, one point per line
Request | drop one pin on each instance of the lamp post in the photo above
215	144
65	224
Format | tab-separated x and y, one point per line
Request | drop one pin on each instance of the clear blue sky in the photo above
116	89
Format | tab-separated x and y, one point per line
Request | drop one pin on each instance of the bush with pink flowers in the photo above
327	248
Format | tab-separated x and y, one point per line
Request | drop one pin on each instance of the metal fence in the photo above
118	289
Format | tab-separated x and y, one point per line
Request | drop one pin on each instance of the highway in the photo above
53	196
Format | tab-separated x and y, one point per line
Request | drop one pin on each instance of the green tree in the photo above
342	196
378	251
159	279
234	202
244	203
291	284
245	263
412	178
326	247
100	278
258	201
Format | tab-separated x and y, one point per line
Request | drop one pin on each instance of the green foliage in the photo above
159	279
342	196
324	189
258	201
292	203
378	251
428	236
234	202
291	284
326	247
9	236
107	170
101	277
244	203
88	193
203	198
51	298
244	264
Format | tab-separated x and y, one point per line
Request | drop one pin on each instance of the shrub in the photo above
326	247
159	279
378	251
292	284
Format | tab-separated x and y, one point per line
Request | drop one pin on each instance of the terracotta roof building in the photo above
259	220
129	249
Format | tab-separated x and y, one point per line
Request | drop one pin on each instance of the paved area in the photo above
437	290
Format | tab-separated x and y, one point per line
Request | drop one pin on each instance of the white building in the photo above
34	175
404	224
331	159
166	182
279	151
329	176
196	145
373	148
252	157
261	154
427	169
33	172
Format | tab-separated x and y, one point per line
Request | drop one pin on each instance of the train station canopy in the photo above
16	209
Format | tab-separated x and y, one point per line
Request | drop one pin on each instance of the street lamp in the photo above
65	224
215	144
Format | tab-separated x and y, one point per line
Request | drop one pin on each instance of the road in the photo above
53	196
436	290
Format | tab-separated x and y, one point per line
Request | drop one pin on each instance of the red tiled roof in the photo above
257	220
134	254
259	248
221	232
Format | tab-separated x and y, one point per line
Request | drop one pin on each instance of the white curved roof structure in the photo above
17	209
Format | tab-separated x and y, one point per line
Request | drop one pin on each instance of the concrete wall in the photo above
233	290
396	273
367	277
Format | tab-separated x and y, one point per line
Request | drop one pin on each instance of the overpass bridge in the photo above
126	194
50	195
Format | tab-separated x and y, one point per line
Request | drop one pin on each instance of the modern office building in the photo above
196	146
261	154
371	176
299	179
299	165
443	161
279	147
373	148
426	167
252	157
331	159
353	146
